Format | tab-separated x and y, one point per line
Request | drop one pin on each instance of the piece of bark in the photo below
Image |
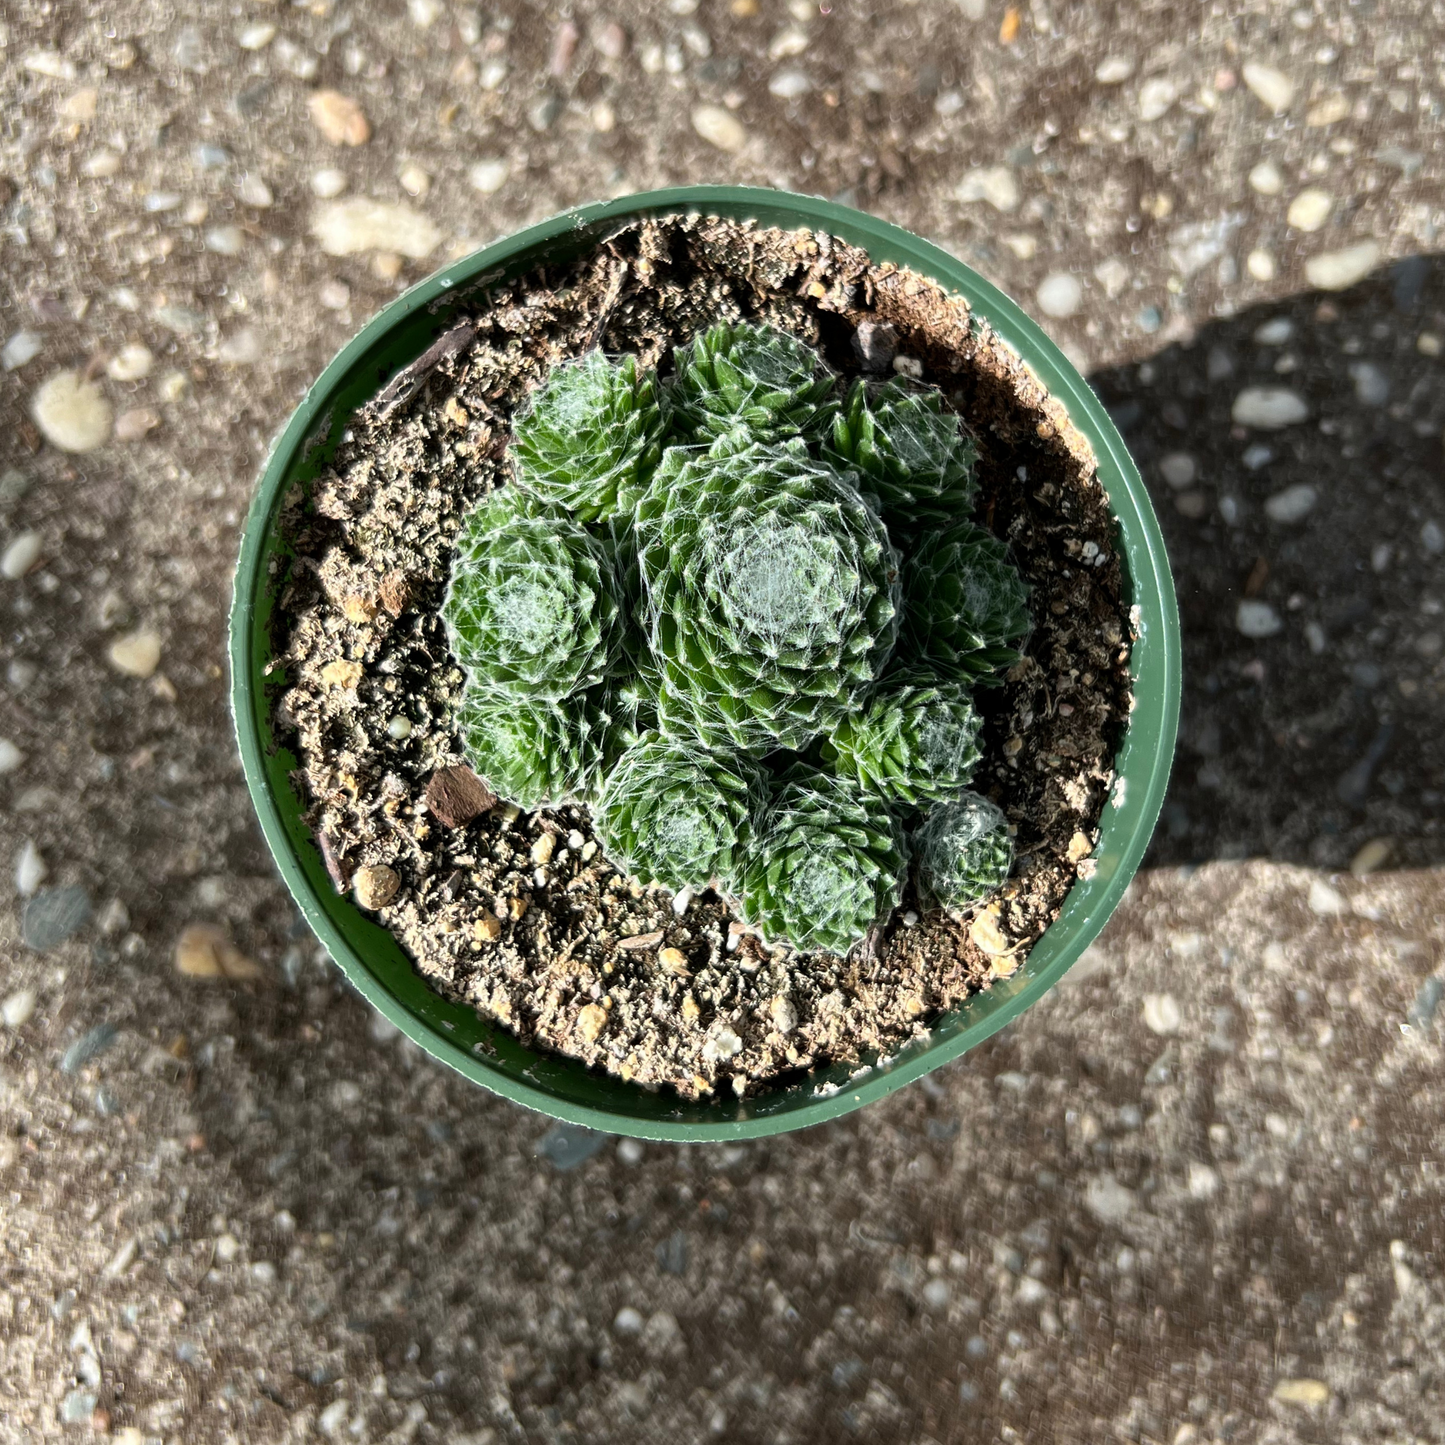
395	592
456	795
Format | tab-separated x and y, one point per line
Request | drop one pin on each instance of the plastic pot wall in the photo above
369	955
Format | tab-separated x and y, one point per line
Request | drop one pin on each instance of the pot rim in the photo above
370	956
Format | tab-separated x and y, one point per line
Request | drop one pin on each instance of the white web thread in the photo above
786	582
530	615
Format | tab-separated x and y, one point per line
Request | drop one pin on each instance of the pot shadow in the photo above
1308	561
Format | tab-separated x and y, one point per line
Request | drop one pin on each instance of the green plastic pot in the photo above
369	955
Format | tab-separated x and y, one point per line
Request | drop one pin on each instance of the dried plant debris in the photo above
518	913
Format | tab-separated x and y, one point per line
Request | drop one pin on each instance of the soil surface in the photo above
504	913
1192	1197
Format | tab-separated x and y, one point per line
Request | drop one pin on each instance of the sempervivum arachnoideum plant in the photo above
741	620
964	851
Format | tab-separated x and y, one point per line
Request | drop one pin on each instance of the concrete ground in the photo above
1193	1196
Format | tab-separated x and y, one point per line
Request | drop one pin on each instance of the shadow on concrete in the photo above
1325	540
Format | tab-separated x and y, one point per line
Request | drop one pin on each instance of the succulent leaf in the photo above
915	742
531	607
965	604
910	451
677	816
964	851
755	378
826	865
771	595
534	753
590	437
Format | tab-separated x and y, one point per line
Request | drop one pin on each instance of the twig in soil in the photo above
335	868
407	382
609	302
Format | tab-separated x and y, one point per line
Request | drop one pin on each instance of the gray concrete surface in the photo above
1194	1196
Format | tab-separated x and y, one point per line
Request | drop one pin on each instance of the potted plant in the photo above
477	574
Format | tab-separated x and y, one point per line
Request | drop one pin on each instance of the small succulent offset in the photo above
963	851
741	618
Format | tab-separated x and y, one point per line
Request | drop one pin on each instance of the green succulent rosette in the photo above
965	605
590	437
535	754
964	851
738	376
771	595
675	815
826	866
910	451
531	608
915	742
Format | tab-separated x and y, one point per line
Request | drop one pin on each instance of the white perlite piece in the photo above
344	228
1338	270
719	127
328	183
22	347
130	363
1260	265
1268	407
137	654
10	756
18	1008
1273	87
30	869
1293	504
994	184
71	412
1257	619
1060	295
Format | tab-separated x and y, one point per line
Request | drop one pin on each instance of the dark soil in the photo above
519	914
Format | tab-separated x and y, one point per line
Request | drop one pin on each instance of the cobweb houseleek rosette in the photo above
770	595
964	852
535	754
590	437
739	376
915	742
909	450
675	815
826	866
965	607
531	608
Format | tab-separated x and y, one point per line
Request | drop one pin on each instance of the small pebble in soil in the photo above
20	556
1257	619
137	654
994	184
18	1008
53	915
1260	265
1273	87
225	240
1293	504
1156	96
10	756
1161	1013
1060	295
627	1320
205	951
1310	209
1427	1002
132	362
1108	1200
399	728
489	175
71	412
1178	469
1269	407
345	228
1338	270
1372	386
719	127
24	346
30	869
375	885
339	118
1114	69
328	183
